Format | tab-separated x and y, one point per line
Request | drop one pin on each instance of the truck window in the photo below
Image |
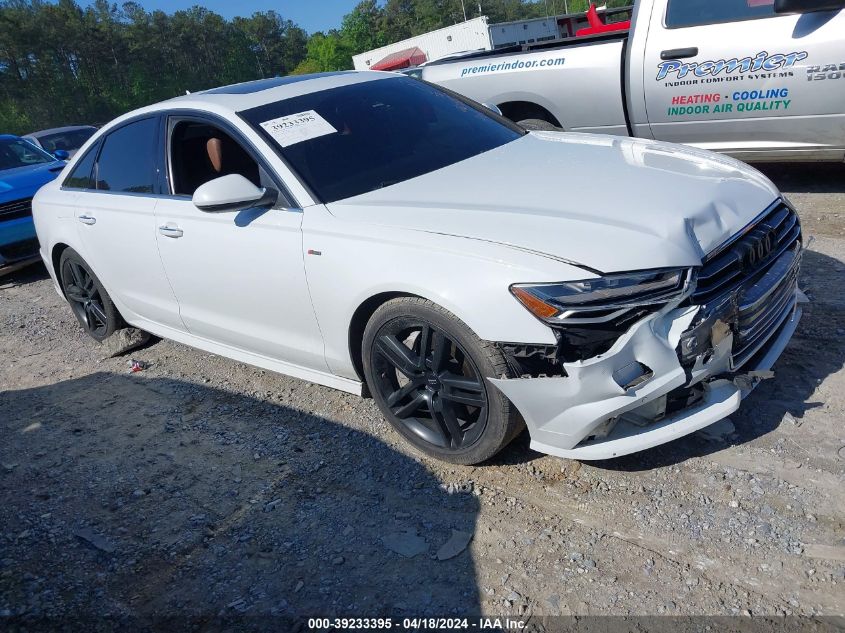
681	13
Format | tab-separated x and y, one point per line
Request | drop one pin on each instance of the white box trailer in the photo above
525	32
472	35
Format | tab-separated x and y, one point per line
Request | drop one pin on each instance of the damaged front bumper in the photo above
589	415
677	370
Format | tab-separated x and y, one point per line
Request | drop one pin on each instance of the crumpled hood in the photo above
606	203
23	182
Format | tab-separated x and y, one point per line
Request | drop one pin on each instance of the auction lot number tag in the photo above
295	128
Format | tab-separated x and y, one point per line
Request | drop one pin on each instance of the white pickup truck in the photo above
756	79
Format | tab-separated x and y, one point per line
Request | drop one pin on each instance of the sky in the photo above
311	15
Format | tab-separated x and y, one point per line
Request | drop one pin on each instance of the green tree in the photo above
62	64
327	52
361	28
276	45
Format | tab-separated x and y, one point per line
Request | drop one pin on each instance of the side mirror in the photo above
493	107
61	154
808	6
232	193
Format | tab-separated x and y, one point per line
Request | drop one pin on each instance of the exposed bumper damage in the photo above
679	369
589	415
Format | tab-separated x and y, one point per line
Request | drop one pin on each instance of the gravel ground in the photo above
204	487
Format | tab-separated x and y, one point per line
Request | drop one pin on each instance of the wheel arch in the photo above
55	258
358	324
520	110
521	329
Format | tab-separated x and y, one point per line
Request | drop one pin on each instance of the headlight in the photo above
602	299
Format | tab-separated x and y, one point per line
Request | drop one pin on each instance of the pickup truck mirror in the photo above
807	6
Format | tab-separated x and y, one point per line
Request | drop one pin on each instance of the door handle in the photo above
87	219
679	53
170	231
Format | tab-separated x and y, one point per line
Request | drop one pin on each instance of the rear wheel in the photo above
428	374
90	302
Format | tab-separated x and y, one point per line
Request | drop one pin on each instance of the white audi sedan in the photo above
377	234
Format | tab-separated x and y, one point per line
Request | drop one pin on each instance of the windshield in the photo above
349	140
69	140
20	153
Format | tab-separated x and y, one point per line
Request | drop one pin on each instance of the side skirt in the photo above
250	358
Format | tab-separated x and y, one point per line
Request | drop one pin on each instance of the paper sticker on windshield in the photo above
295	128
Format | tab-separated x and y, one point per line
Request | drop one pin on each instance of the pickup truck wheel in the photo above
539	125
427	372
90	302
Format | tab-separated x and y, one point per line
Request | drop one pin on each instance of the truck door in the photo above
734	76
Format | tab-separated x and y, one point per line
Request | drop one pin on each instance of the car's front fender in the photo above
469	278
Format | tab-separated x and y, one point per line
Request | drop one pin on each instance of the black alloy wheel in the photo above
430	384
427	372
89	301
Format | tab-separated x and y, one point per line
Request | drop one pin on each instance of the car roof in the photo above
228	100
260	85
252	94
9	137
59	130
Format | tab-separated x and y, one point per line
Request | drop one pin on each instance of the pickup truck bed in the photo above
517	79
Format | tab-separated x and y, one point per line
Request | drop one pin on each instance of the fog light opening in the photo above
632	375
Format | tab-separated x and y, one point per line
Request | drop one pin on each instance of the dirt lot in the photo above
204	487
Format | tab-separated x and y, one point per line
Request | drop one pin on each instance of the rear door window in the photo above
682	13
80	177
127	162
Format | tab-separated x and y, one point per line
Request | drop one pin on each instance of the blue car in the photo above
23	169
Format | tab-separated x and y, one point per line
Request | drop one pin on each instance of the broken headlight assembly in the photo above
589	315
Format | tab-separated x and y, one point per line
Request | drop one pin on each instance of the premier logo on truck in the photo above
762	61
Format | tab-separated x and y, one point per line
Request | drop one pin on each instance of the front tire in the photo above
427	372
88	299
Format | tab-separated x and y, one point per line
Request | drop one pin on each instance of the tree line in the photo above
63	64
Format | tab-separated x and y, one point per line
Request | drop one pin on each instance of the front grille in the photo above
16	209
735	263
764	306
753	295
